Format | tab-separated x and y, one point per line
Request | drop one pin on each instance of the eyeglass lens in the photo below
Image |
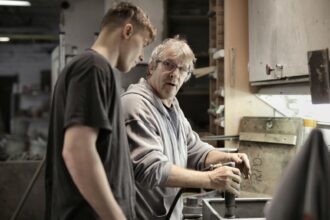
171	66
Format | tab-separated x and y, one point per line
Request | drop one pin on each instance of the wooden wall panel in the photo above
239	100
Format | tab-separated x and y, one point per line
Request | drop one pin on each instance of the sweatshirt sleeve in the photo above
150	164
197	149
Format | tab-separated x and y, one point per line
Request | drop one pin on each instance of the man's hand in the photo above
225	179
242	163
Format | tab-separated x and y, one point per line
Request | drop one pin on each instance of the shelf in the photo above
189	18
220	138
216	40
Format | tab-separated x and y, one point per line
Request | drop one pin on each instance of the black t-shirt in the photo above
86	93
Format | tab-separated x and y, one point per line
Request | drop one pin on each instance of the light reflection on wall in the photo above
297	106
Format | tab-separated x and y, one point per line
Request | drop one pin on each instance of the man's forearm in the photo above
222	178
87	171
181	177
89	176
216	156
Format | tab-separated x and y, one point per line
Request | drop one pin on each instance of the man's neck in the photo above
103	51
107	47
167	102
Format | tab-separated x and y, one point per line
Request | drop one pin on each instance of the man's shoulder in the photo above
87	64
136	105
91	59
132	99
84	56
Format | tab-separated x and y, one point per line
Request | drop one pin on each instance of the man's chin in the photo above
124	70
169	96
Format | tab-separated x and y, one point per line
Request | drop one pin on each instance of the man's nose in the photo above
175	73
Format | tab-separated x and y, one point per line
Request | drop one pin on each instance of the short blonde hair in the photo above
124	12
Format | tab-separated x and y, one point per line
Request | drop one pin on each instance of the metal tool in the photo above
230	199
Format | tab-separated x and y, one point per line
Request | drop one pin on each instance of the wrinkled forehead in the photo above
178	55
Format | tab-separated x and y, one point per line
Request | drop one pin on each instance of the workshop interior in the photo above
261	86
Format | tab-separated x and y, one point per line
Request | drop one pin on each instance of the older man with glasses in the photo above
166	153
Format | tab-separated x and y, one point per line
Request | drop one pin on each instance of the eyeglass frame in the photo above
176	66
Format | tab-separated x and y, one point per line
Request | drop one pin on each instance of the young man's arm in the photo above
86	169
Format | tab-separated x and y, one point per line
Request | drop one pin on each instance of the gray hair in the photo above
179	47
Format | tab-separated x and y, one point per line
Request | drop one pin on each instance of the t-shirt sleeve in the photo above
87	100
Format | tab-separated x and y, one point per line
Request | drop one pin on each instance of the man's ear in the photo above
150	68
127	31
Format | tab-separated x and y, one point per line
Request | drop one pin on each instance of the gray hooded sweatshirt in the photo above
156	143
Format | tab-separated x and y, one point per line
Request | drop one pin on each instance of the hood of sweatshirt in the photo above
145	90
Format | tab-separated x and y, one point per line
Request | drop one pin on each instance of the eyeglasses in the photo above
170	65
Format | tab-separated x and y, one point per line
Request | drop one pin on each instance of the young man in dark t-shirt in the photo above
88	168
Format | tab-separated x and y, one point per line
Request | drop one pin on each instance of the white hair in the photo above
179	49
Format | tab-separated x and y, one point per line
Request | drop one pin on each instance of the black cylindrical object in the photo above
230	200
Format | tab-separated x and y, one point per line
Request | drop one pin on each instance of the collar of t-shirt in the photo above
174	118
